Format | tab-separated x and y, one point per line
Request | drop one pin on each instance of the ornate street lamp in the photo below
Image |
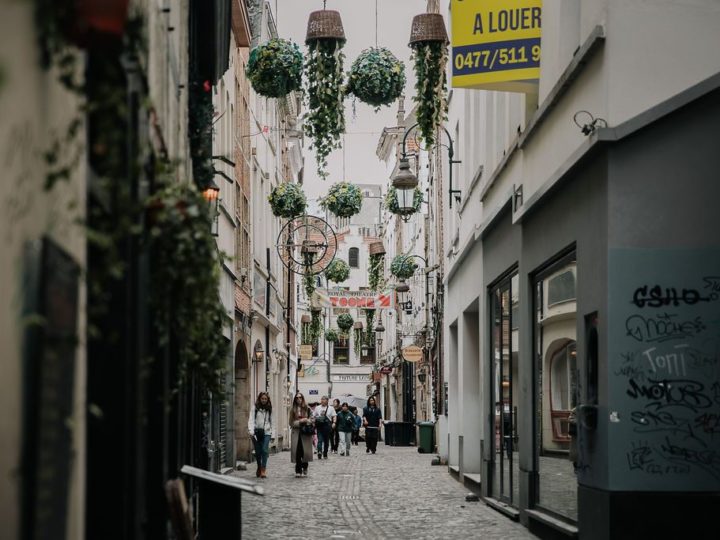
259	353
405	183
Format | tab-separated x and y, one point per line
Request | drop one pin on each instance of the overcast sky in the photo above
362	130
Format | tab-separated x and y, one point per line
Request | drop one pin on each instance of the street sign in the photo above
306	352
412	353
355	299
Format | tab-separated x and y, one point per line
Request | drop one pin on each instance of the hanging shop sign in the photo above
412	353
386	370
355	299
306	352
496	44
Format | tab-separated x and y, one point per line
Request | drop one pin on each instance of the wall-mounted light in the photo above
259	354
405	183
211	193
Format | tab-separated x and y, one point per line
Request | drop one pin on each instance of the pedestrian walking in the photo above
260	429
372	420
302	424
335	438
324	415
356	426
345	423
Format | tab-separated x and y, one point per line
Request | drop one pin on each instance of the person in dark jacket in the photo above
345	421
372	420
357	426
335	437
301	449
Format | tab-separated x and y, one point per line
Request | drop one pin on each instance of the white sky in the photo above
362	131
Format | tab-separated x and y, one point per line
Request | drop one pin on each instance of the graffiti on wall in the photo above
664	369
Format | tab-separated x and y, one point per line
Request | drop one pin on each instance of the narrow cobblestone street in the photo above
395	493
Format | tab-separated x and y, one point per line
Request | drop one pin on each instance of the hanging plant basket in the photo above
275	68
377	267
288	201
376	248
391	202
428	39
345	322
376	77
403	267
337	271
344	200
332	335
324	121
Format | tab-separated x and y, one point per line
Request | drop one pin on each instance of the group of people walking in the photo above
337	429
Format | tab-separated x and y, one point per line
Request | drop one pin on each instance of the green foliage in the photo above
331	335
370	330
200	124
391	202
377	266
357	341
376	77
343	199
324	121
345	322
288	200
312	331
275	68
403	267
430	87
337	271
185	281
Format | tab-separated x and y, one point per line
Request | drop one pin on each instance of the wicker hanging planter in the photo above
358	325
376	248
428	27
325	24
305	319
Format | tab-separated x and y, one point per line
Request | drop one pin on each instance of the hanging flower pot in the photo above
376	77
403	267
324	121
275	68
376	248
376	268
287	201
344	200
428	39
345	322
331	335
337	271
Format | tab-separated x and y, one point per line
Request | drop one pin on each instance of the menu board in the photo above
664	369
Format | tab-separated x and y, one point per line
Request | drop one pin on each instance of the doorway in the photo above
504	303
243	402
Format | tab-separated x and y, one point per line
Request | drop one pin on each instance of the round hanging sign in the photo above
412	353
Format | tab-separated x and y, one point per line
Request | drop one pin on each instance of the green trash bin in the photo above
427	437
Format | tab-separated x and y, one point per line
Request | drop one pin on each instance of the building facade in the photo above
550	255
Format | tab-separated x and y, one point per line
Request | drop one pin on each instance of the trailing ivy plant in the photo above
377	267
331	335
275	68
288	200
343	199
391	202
430	58
376	77
370	330
185	281
324	121
200	120
345	322
358	339
312	331
403	267
337	271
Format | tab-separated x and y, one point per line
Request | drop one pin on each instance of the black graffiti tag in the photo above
661	328
671	393
657	296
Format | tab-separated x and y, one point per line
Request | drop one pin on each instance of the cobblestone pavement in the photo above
395	493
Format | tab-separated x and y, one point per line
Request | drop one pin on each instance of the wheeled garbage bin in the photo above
426	437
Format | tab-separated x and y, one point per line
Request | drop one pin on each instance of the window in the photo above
563	389
353	257
561	288
341	353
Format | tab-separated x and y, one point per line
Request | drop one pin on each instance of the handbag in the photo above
307	429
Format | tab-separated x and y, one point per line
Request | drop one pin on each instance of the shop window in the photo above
563	385
341	351
354	257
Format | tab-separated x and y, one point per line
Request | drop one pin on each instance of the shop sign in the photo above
351	377
496	44
306	352
412	353
386	370
355	299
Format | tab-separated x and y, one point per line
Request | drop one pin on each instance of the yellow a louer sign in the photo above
496	44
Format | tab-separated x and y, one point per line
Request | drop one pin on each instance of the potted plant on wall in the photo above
287	201
343	199
337	271
376	77
275	68
428	40
324	121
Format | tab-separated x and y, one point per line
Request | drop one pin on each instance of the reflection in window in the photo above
561	288
353	257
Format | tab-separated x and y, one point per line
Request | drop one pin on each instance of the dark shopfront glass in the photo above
556	387
504	300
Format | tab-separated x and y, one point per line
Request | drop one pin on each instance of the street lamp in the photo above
405	183
259	353
211	193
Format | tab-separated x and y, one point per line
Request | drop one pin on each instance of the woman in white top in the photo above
260	429
324	415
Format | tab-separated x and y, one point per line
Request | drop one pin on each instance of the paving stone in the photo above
395	493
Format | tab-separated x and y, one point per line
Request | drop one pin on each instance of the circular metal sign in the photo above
412	353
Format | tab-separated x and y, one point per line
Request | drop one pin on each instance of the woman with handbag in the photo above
335	437
260	429
303	428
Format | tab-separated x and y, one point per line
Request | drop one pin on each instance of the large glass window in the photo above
341	351
556	391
